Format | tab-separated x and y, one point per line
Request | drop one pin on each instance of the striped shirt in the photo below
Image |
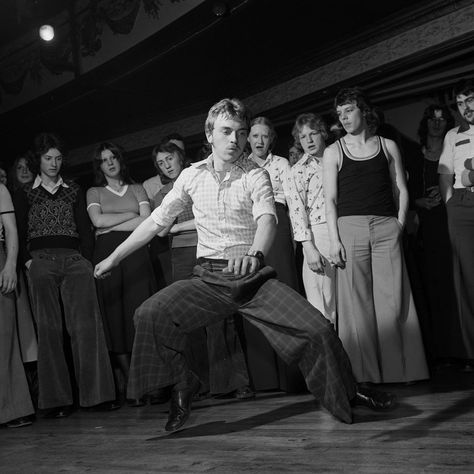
307	200
225	210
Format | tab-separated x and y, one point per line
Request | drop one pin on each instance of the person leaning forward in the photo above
235	219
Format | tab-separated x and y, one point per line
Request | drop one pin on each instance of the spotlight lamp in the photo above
46	32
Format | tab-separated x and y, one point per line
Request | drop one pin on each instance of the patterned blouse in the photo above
307	207
279	170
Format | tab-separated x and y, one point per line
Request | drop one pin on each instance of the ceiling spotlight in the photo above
46	32
219	8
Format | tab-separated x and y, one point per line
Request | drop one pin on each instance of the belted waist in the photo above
213	264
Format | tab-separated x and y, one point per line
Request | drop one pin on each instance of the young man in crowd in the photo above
308	215
234	212
457	191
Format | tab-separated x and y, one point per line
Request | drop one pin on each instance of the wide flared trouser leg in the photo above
53	374
84	325
15	400
461	233
357	326
294	328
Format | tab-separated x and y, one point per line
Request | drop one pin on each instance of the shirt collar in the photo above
306	158
38	181
266	161
464	127
209	163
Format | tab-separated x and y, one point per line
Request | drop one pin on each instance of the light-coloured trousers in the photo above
377	320
321	289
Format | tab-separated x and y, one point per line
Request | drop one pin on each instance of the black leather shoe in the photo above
180	405
20	422
374	399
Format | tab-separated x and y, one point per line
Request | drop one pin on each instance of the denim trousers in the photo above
64	300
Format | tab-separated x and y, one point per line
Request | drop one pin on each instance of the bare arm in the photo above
446	186
178	227
398	177
108	220
131	224
8	272
139	237
337	253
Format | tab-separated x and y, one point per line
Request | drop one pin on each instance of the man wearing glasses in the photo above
458	193
235	218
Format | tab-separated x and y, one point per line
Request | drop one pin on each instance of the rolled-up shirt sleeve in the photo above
446	160
174	202
261	193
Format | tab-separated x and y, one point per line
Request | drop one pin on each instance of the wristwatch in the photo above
257	254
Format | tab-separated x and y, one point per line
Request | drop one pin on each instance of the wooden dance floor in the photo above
430	431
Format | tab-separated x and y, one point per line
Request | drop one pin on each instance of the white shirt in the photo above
225	211
50	188
458	146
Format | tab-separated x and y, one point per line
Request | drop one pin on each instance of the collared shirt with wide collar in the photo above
279	170
458	146
307	205
51	189
225	206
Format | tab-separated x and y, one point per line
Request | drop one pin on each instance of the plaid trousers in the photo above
295	329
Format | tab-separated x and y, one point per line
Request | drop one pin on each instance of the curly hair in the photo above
355	95
117	151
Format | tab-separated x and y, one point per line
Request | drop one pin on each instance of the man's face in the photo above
351	117
293	155
311	141
259	139
465	105
51	162
228	138
169	164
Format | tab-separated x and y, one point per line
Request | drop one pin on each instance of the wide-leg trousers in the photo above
63	289
15	400
294	328
377	320
321	288
461	234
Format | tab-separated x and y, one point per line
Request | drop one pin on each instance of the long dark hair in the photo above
13	182
428	113
99	177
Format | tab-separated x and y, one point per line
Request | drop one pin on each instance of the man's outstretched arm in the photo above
138	238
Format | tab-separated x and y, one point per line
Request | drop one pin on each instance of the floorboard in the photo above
430	431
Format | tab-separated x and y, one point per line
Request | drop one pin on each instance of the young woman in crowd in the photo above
56	245
281	257
440	332
366	204
215	352
116	207
18	176
15	402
